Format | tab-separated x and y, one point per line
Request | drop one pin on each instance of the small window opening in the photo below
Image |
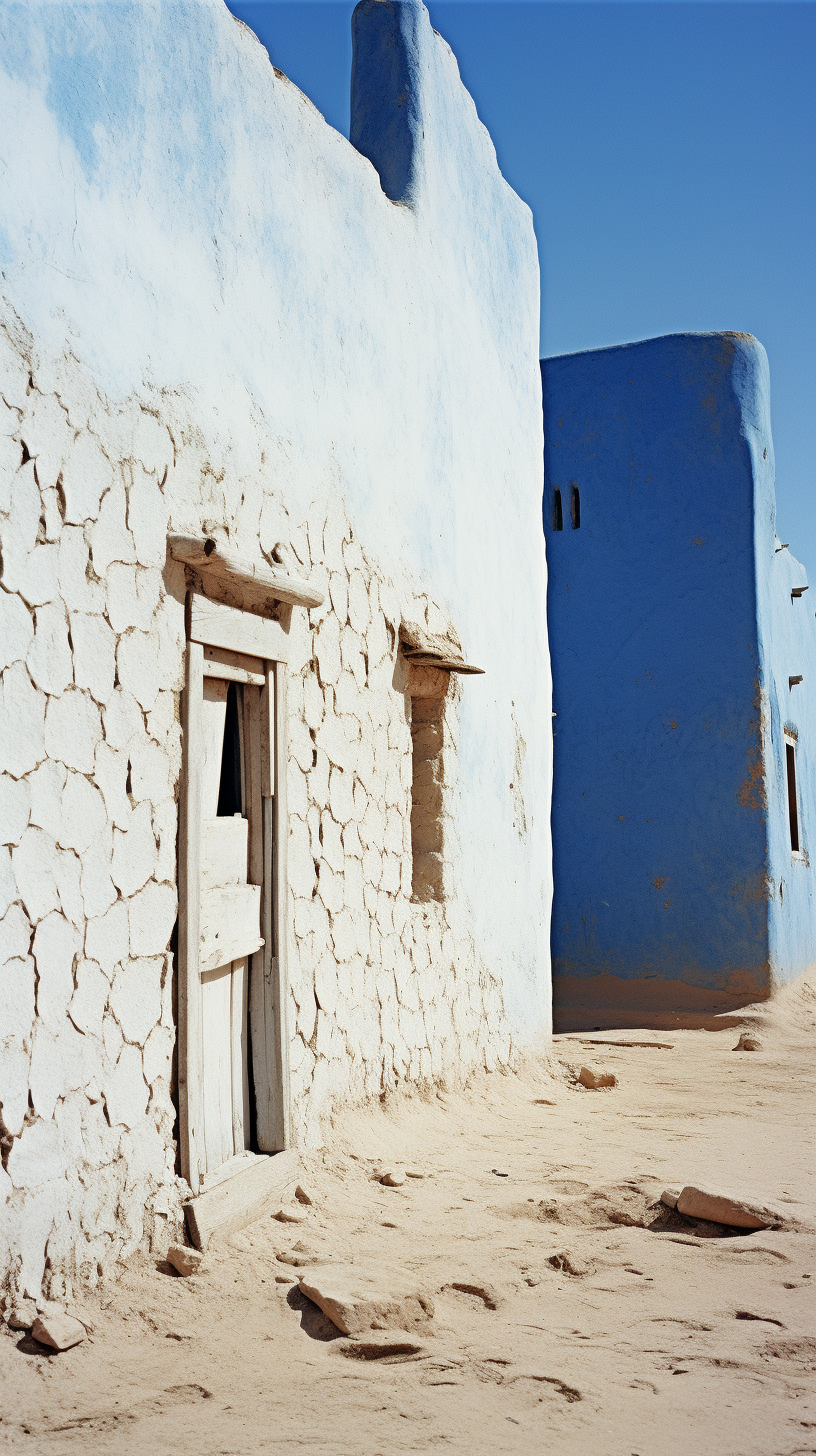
427	835
557	514
230	798
793	804
575	507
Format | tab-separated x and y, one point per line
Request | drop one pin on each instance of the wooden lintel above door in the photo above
214	562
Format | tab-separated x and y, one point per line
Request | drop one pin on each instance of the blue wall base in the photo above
601	1003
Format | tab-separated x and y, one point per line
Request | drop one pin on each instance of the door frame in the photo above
219	640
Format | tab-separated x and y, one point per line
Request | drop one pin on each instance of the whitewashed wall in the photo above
215	320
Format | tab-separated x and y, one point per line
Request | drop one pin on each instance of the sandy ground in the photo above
668	1342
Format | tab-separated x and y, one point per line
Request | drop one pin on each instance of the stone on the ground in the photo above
23	1314
298	1256
568	1263
185	1261
58	1330
393	1347
592	1080
669	1197
748	1042
290	1215
735	1212
393	1179
413	1173
286	1278
303	1195
368	1297
488	1293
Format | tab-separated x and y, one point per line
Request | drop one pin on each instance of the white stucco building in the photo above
270	480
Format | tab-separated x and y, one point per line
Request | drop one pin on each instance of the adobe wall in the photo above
787	644
659	811
215	321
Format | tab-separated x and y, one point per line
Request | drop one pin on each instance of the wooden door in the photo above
233	895
229	916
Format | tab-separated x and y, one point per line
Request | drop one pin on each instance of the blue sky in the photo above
668	152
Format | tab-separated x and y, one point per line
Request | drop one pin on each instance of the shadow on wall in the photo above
607	1003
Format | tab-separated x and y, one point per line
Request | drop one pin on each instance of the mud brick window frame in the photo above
431	659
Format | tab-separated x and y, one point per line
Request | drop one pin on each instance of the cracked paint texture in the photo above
269	373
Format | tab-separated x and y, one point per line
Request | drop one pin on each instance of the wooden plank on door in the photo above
230	924
213	719
252	783
265	1059
190	1066
239	1055
224	851
280	893
233	666
269	990
216	1040
268	732
216	625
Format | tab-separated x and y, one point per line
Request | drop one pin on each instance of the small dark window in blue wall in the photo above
557	516
793	804
575	507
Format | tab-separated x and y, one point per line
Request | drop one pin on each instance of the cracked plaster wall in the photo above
112	437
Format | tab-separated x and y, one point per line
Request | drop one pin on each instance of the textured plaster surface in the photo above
235	332
673	633
787	651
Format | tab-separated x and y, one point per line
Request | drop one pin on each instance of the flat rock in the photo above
58	1330
748	1043
722	1208
185	1261
291	1215
368	1297
393	1179
669	1197
593	1080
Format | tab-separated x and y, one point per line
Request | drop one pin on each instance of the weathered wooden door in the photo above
230	913
233	1043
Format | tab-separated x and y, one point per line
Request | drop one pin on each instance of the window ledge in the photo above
428	649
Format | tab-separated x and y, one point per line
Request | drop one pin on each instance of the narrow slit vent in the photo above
575	507
557	514
793	806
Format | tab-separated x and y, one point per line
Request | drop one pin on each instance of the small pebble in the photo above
290	1215
303	1195
394	1179
593	1080
185	1261
748	1043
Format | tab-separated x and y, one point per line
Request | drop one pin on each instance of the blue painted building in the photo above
683	644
